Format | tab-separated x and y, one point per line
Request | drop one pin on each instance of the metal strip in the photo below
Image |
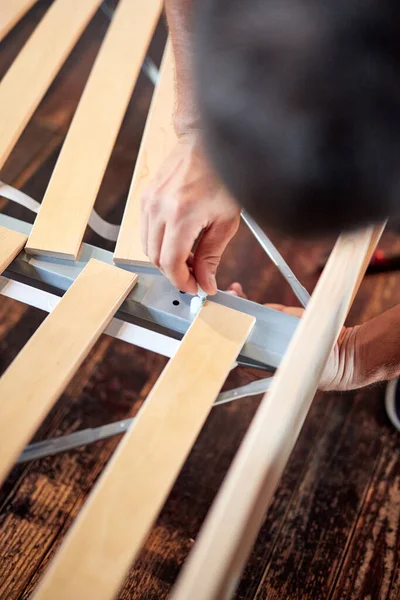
299	290
84	437
154	303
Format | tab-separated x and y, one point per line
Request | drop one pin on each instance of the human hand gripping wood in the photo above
340	373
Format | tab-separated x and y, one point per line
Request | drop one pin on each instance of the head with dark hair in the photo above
300	101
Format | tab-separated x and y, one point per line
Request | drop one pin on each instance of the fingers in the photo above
154	241
176	256
294	311
236	290
209	251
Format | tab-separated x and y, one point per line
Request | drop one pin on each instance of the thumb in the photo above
208	254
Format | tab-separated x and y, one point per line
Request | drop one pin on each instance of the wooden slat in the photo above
39	61
38	375
158	140
63	216
113	525
11	11
215	564
11	243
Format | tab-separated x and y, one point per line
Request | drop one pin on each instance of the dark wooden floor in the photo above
333	531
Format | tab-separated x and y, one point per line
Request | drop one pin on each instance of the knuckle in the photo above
179	210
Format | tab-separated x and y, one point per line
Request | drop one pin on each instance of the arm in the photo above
179	17
378	348
185	198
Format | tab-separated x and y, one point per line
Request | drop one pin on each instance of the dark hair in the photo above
300	102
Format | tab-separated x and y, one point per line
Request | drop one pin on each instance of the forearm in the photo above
378	348
179	18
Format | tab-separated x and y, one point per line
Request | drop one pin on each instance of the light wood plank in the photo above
115	521
11	243
11	11
158	140
215	564
38	375
35	67
70	196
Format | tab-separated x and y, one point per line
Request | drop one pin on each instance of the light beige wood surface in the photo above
40	372
215	564
11	243
37	64
158	140
63	216
11	11
114	523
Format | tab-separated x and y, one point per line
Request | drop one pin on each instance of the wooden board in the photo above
11	11
11	243
42	369
114	523
39	61
70	196
158	140
214	566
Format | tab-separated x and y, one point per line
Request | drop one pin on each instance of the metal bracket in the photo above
154	303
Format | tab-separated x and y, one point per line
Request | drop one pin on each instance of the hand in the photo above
341	372
184	200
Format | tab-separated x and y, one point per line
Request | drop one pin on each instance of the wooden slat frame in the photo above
60	225
111	528
215	564
38	375
35	67
11	11
157	142
11	243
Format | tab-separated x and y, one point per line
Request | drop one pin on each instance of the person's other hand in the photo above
183	200
341	372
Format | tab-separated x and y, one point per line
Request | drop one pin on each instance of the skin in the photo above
186	202
172	216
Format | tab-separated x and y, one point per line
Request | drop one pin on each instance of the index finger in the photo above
175	252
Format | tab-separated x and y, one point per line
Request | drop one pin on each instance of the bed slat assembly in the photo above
11	11
215	564
63	216
40	372
158	140
35	67
126	501
108	533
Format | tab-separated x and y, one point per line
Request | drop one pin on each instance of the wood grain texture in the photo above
69	199
214	567
121	509
326	534
11	243
38	375
325	548
35	67
11	11
158	140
